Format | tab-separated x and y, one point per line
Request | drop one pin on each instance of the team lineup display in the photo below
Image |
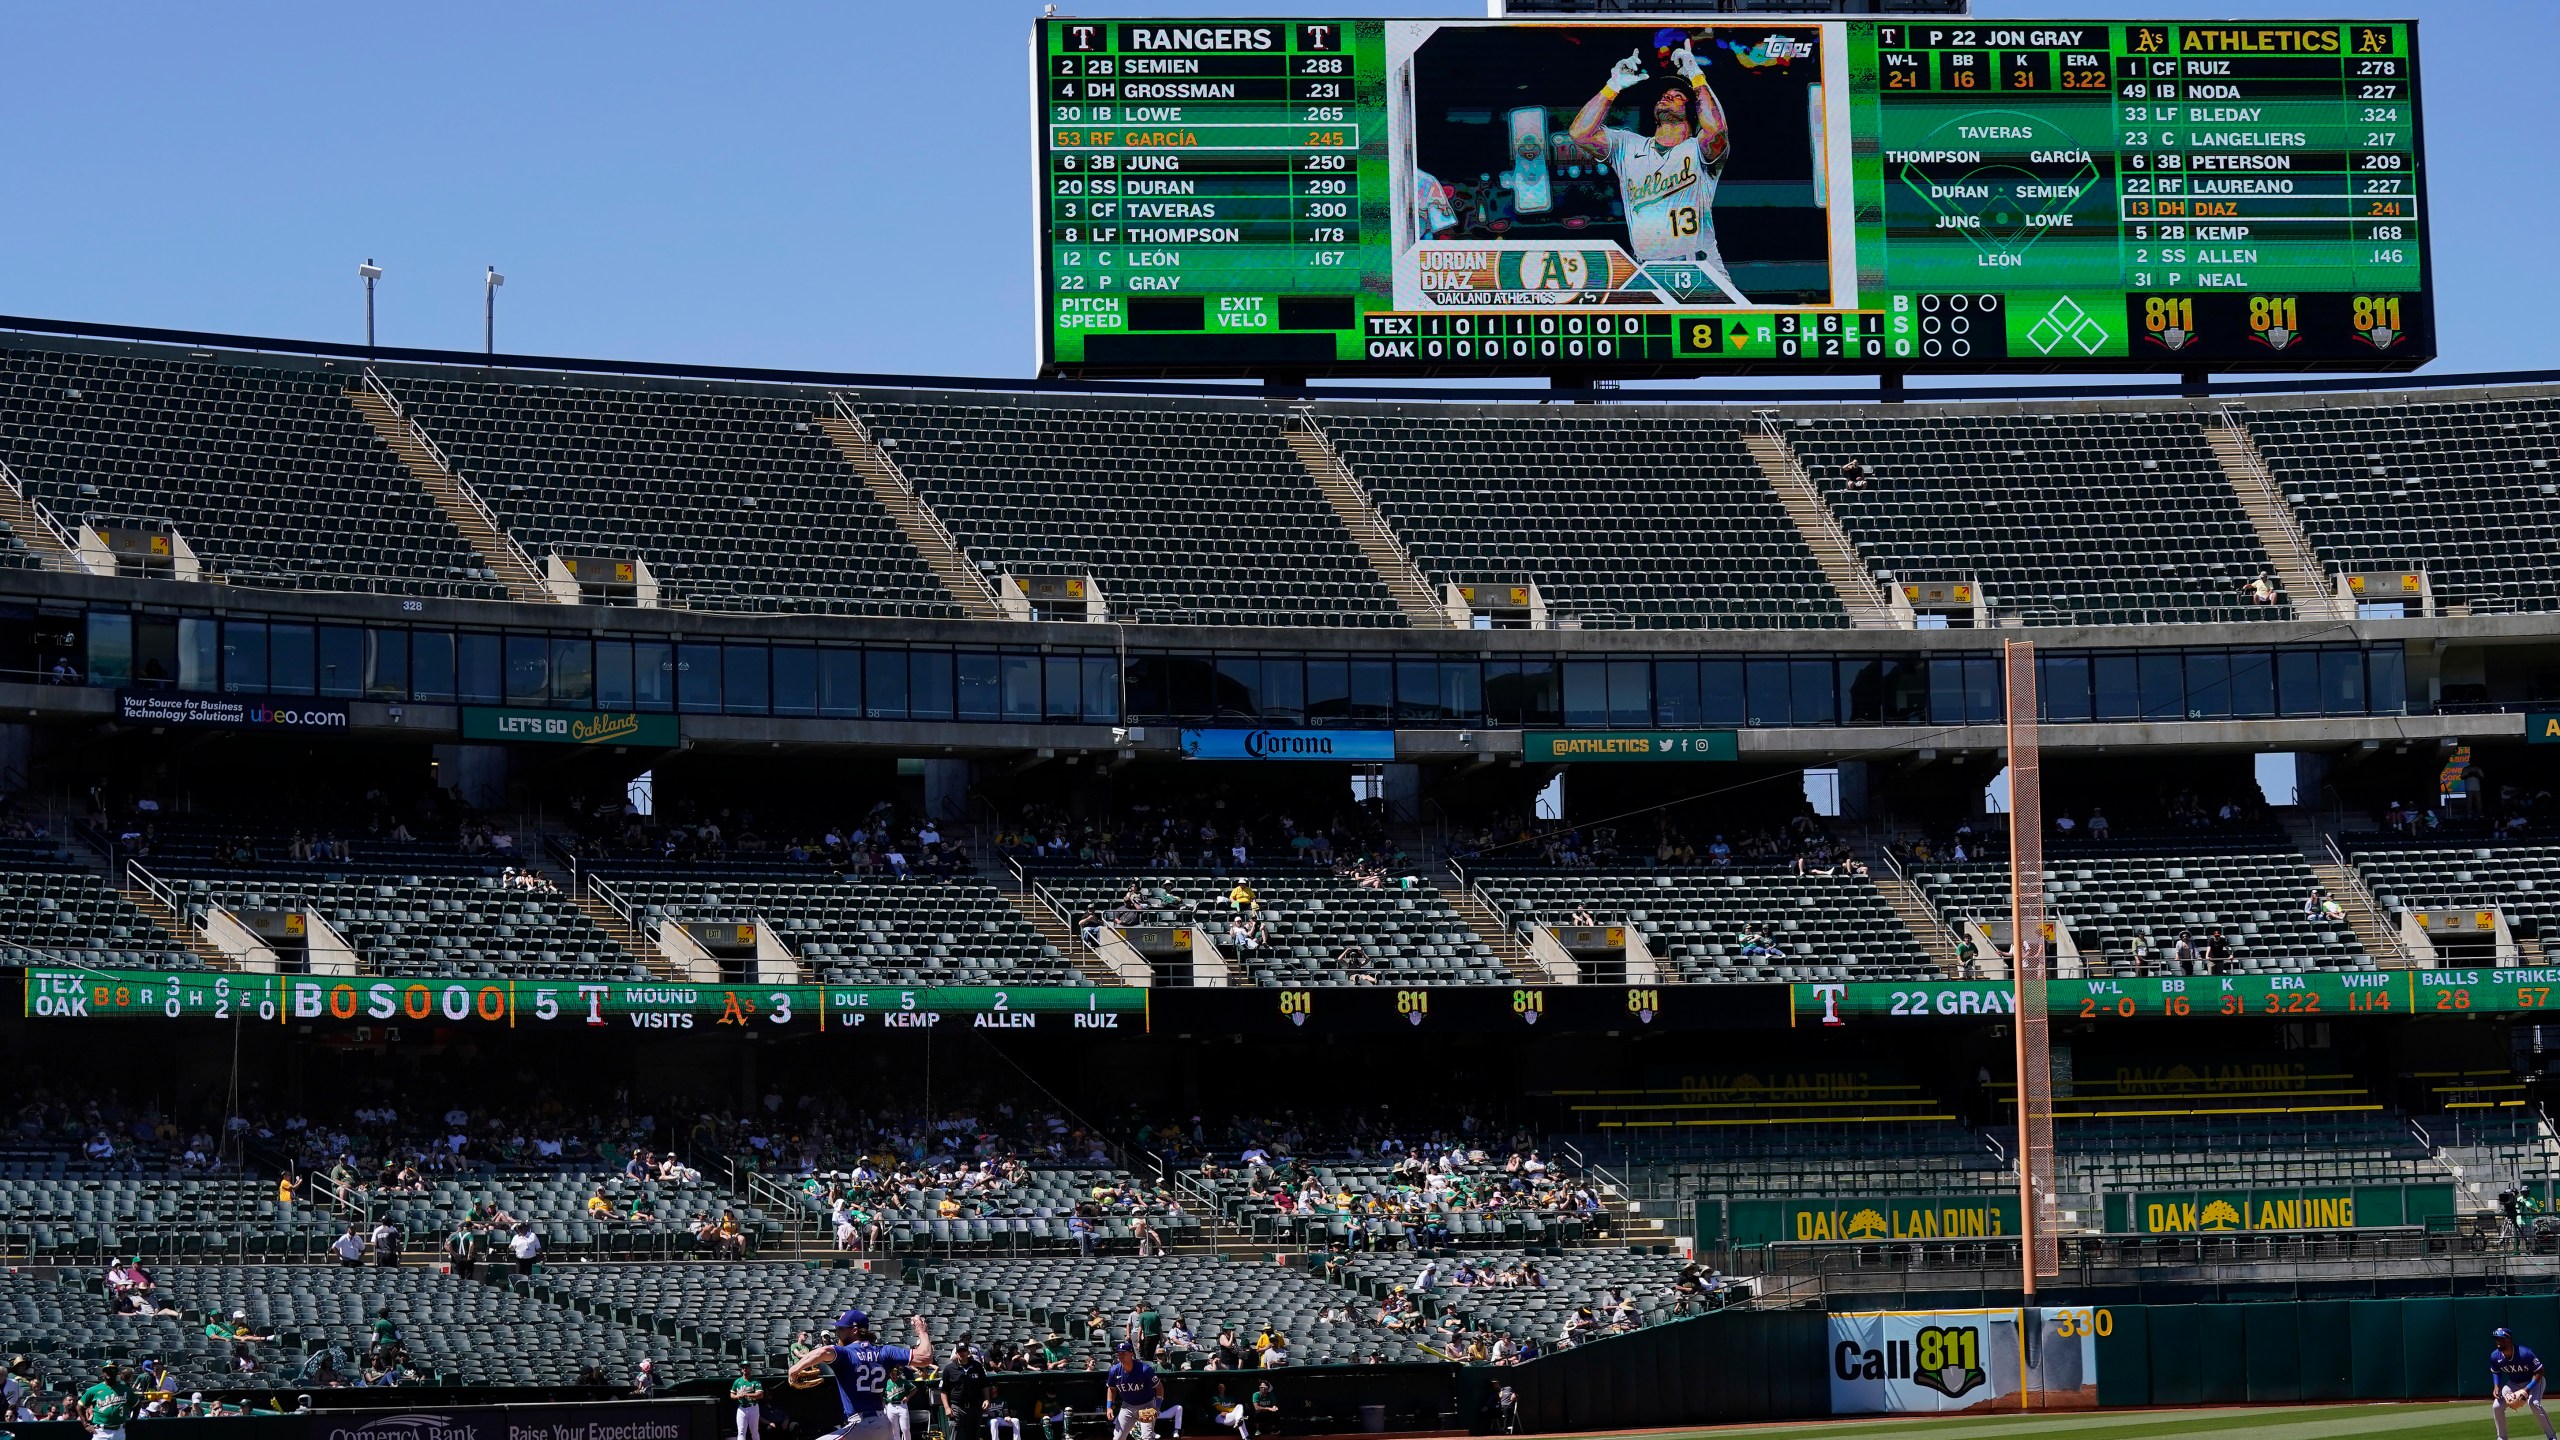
1475	197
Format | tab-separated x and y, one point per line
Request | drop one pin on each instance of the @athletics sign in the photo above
1630	745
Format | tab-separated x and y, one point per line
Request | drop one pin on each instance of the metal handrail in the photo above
1040	896
1513	927
53	527
1369	512
1947	934
614	900
463	491
2295	541
2362	896
157	887
897	476
1833	530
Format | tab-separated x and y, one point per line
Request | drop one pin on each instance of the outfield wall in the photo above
2434	1348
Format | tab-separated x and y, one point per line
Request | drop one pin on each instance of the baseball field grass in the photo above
2456	1421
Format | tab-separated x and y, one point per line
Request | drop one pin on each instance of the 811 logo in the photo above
1948	1358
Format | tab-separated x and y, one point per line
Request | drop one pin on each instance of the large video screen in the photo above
1450	197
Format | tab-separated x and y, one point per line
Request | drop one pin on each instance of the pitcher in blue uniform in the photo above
2515	1379
1134	1392
858	1366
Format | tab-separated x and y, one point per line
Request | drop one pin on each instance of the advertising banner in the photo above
1874	1218
1289	744
1629	745
609	1420
568	727
298	713
2315	1207
1903	1362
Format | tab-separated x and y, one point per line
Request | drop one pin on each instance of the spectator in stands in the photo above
525	1245
2262	590
1853	473
2064	827
464	1248
348	1248
386	1243
2099	829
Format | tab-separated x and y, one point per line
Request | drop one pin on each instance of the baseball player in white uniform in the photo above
1666	179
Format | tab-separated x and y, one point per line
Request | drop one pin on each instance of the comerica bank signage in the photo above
1289	744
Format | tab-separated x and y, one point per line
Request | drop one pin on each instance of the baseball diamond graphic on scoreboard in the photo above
1729	196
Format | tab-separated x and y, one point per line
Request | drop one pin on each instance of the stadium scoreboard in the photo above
1389	197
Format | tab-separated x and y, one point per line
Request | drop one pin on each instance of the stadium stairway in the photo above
174	925
1928	928
1841	564
1493	930
2297	566
1369	530
923	529
2364	915
497	551
30	521
1058	932
620	931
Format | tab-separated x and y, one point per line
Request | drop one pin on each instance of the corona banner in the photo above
1925	1362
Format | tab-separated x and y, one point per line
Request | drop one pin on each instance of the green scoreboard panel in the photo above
1427	197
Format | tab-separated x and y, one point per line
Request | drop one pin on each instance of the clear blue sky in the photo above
842	185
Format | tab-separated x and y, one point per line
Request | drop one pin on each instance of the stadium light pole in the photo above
371	272
489	334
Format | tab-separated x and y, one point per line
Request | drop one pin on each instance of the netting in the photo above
2029	969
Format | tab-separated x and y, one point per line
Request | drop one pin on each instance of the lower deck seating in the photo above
1313	923
2523	881
762	1307
2105	901
1207	1294
463	926
555	1204
463	1332
1032	1216
78	918
1824	927
867	932
1573	1280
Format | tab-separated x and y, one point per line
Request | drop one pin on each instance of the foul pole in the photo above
2039	1252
